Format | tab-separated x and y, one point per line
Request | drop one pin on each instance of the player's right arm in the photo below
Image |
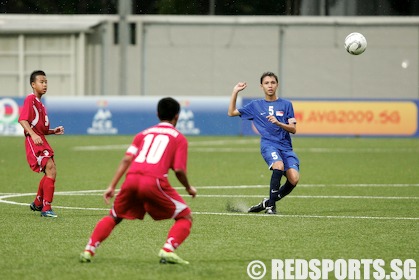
35	137
122	168
232	109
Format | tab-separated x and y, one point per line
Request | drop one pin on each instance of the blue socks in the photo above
274	186
275	192
285	190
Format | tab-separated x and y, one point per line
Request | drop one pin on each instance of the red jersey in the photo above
158	149
35	113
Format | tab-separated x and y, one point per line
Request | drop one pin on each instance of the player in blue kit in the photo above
274	119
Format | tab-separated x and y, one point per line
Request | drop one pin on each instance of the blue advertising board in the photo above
9	116
122	115
129	115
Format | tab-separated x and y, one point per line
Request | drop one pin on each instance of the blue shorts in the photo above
271	155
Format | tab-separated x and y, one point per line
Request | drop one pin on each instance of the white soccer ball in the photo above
355	43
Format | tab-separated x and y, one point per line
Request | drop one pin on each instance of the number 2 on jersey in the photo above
153	148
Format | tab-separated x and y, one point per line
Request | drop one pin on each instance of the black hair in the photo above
167	109
268	74
35	74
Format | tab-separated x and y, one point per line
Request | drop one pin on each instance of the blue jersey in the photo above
257	110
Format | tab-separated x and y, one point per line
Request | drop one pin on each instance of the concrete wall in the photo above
208	55
307	54
321	68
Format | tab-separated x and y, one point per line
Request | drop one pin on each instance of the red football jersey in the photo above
35	113
158	149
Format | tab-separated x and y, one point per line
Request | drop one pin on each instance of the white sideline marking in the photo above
212	146
192	144
308	186
101	148
305	150
310	196
5	196
308	216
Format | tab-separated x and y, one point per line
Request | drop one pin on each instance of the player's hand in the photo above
191	191
272	119
37	139
59	130
240	86
109	193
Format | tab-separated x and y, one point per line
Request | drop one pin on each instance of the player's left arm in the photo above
183	179
291	126
179	165
59	130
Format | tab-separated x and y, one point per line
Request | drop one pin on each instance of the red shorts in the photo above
142	194
38	156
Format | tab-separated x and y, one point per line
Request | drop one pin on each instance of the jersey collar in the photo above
166	124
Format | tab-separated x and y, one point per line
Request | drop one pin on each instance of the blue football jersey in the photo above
258	109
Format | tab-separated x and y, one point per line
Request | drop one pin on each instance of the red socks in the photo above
177	234
40	193
48	191
45	193
102	230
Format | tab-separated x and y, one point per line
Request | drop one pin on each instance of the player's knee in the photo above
293	177
116	219
187	217
278	165
51	170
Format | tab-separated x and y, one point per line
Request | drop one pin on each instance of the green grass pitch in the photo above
358	198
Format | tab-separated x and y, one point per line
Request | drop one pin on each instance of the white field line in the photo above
309	186
99	193
213	146
4	197
306	150
309	196
101	148
191	144
307	216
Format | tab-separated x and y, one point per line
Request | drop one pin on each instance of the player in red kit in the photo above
146	188
40	156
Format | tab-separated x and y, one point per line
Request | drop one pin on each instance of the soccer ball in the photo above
355	43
